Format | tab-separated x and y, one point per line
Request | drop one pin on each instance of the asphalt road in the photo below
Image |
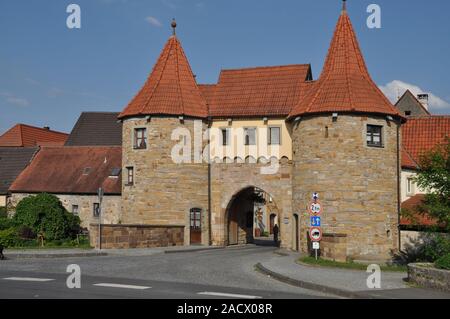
221	273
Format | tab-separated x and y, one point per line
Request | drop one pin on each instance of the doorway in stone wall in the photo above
251	216
195	216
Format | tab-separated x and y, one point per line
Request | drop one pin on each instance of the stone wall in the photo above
357	184
334	247
137	236
163	191
110	206
230	178
426	275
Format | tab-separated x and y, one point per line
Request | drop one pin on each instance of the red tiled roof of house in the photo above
22	135
259	91
71	170
407	160
422	133
417	219
345	84
170	89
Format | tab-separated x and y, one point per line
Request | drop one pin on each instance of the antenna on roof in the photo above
174	25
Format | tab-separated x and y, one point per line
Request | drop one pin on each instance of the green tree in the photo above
434	177
45	213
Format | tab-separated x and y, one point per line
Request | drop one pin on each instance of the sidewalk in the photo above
341	282
76	252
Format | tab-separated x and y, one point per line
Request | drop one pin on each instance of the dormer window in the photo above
140	138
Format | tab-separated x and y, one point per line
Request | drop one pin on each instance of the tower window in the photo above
225	136
374	135
75	210
130	175
140	138
96	210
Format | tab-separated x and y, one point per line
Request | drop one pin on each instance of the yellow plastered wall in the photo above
237	148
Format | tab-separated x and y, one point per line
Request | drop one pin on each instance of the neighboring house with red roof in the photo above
74	174
420	134
22	135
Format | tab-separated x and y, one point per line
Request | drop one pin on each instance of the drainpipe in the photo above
209	186
398	185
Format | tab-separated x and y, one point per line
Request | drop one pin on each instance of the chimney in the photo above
423	99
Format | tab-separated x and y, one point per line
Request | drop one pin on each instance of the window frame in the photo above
410	186
269	136
246	129
76	211
193	221
372	143
96	210
227	140
130	169
136	138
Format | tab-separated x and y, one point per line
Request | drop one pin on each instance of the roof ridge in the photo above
177	70
41	128
265	67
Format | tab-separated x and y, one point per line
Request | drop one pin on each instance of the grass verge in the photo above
347	265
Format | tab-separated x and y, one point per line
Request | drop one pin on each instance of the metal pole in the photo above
315	250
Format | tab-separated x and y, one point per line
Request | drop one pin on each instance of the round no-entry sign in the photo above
315	208
315	233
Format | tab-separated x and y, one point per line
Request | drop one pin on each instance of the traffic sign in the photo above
315	233
315	221
315	208
316	245
315	196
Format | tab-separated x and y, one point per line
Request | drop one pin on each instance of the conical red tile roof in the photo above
345	84
170	89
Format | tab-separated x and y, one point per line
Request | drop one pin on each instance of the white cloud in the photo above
153	21
395	89
14	100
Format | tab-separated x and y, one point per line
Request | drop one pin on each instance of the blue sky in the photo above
49	73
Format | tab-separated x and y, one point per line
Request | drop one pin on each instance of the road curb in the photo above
193	250
311	286
62	255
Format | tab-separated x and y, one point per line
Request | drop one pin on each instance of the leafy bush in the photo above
25	232
45	213
435	246
3	213
443	262
9	238
6	223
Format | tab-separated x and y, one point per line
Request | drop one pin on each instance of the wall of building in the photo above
237	147
230	178
406	174
2	200
163	191
110	207
357	184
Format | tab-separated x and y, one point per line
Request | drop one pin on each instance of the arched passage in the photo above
251	217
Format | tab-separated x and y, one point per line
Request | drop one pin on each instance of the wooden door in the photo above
296	232
196	225
272	223
233	228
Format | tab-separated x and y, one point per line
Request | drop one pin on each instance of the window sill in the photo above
375	146
129	184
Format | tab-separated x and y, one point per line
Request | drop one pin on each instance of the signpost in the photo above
100	193
315	231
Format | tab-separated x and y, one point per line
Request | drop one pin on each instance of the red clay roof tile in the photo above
417	219
345	84
170	89
420	134
61	170
22	135
259	91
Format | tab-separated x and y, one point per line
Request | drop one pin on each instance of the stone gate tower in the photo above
345	136
163	196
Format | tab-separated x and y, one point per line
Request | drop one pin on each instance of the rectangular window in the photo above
130	175
225	136
274	136
140	138
250	136
410	186
75	209
374	135
96	210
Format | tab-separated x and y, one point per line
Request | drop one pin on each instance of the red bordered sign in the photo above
315	208
315	233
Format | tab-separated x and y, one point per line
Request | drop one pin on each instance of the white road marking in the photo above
222	294
121	286
28	279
